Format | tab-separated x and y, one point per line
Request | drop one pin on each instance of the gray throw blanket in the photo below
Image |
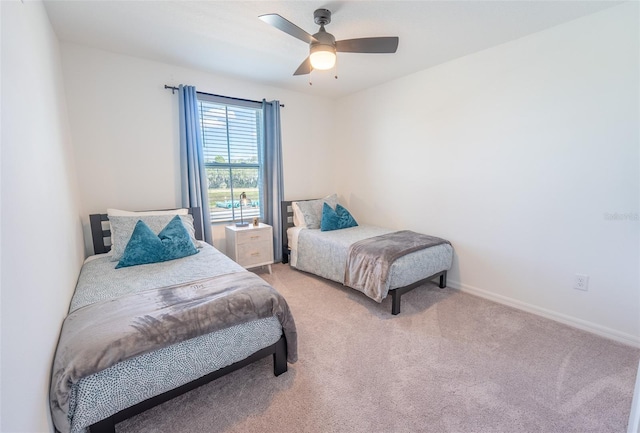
99	335
369	260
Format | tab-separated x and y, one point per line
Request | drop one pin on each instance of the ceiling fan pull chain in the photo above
335	69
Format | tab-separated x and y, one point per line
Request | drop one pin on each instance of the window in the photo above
232	143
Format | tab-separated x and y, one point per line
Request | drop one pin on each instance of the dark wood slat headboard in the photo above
98	234
287	222
286	212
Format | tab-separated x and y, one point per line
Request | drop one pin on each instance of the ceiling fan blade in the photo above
288	27
304	68
368	45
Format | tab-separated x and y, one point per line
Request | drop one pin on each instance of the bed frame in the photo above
396	294
278	350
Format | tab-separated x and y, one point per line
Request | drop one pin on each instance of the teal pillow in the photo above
336	219
145	247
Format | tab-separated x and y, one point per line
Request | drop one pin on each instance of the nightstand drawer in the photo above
254	253
252	236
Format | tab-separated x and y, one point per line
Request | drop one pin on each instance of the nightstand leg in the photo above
269	266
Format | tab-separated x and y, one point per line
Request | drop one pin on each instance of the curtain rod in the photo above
173	90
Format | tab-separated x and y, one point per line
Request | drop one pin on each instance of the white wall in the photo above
42	247
126	132
519	155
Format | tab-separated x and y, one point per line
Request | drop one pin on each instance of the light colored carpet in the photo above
450	362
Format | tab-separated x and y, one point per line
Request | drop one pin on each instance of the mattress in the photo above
129	382
325	254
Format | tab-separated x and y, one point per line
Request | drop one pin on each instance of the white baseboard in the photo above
594	328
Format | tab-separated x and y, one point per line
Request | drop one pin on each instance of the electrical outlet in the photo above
581	282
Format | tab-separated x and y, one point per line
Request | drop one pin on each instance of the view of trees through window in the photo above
232	137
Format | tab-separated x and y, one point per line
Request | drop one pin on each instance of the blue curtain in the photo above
273	182
195	184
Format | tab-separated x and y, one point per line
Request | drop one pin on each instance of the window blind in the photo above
232	142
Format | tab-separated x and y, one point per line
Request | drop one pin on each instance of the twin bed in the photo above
202	316
328	254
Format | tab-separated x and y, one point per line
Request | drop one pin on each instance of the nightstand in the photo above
250	246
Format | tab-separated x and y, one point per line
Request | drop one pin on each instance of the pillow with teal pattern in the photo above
336	219
145	247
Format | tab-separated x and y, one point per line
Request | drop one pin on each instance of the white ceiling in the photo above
226	37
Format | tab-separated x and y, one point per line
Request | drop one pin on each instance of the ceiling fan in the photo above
323	46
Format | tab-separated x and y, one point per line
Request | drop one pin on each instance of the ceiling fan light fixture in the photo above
322	56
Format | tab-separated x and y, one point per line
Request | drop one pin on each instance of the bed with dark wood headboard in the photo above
99	233
259	338
420	266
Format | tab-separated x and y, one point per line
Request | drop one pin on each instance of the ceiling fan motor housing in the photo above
322	17
325	41
322	52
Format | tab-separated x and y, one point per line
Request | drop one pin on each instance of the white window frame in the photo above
222	215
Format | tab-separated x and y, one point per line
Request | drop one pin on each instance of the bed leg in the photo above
280	357
443	280
105	426
395	305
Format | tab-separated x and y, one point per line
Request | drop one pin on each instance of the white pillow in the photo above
310	211
298	218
